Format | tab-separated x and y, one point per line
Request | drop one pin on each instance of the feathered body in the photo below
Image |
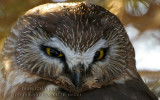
78	30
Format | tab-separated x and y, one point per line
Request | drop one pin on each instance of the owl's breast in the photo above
50	92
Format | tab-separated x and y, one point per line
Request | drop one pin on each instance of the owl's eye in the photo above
99	54
53	52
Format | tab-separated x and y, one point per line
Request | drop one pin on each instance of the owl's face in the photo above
77	46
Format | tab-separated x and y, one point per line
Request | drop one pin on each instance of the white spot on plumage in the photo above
15	31
49	93
17	77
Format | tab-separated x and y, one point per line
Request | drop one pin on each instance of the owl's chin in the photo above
68	86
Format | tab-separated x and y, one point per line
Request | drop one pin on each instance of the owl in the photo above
70	51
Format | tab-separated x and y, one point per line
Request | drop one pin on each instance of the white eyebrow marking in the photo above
72	57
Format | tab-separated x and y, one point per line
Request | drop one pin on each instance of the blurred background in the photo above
141	19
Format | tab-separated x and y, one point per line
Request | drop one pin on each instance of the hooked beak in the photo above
77	76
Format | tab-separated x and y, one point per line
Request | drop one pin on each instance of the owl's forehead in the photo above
78	38
78	25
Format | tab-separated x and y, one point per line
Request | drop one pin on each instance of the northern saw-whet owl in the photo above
70	51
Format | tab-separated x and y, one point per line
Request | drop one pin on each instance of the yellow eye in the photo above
53	52
99	55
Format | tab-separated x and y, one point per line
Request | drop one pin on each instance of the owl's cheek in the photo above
98	77
52	67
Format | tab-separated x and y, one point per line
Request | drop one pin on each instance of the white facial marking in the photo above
74	58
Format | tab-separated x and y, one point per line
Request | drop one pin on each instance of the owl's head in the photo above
77	46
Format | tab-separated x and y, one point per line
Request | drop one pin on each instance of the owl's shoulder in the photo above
131	90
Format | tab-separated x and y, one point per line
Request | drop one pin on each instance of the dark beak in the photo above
77	76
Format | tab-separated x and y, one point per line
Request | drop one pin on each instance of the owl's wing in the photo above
128	91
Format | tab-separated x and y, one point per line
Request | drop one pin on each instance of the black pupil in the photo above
54	52
97	54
